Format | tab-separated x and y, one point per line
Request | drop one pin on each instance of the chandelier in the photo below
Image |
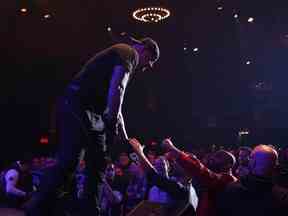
151	14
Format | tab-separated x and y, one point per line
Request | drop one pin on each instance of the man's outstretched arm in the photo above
194	168
115	98
173	188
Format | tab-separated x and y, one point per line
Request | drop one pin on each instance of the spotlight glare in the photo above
243	132
23	10
47	16
251	20
195	49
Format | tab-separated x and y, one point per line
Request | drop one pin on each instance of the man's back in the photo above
92	82
249	196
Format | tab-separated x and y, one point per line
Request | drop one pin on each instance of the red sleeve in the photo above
194	168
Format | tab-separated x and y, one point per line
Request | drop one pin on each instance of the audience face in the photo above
36	163
43	161
213	148
82	165
118	171
110	172
124	160
243	157
151	156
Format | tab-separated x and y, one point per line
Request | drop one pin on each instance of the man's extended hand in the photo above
168	145
172	151
136	145
138	149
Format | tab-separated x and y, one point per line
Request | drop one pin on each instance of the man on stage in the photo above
90	110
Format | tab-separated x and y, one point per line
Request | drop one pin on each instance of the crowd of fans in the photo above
240	181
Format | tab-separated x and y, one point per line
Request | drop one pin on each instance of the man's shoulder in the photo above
121	50
122	46
127	54
124	50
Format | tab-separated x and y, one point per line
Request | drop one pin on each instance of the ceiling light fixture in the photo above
151	14
23	10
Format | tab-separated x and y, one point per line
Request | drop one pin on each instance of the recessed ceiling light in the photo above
47	16
23	10
251	19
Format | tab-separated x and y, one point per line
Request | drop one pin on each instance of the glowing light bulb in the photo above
251	19
47	16
24	10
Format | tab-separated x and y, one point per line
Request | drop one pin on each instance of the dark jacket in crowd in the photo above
251	196
178	193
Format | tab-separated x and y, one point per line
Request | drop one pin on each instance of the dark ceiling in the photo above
213	87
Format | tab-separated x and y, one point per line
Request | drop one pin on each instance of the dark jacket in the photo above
252	195
179	194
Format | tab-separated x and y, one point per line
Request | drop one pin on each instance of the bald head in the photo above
263	160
